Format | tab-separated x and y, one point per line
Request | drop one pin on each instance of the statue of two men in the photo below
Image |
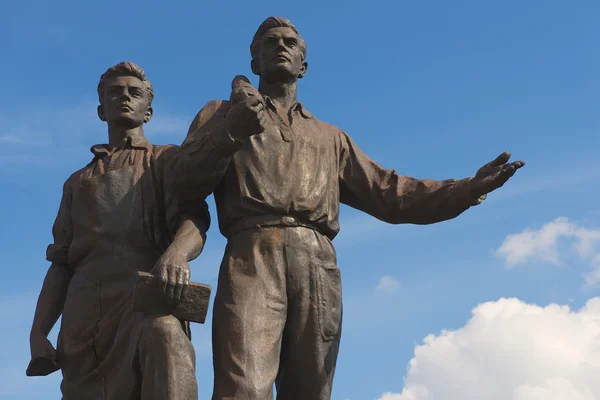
278	175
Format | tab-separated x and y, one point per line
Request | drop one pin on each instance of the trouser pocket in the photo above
329	298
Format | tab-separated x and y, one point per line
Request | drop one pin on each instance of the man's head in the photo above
125	96
278	52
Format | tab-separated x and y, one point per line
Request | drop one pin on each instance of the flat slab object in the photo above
150	299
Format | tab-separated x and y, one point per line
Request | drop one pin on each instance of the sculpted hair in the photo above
125	68
270	23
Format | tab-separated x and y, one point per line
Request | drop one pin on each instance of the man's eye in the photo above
136	94
291	43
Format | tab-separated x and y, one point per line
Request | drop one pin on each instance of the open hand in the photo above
492	176
174	272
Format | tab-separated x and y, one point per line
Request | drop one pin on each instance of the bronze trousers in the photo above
109	352
277	316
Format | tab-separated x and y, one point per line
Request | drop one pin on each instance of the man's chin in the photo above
126	121
278	74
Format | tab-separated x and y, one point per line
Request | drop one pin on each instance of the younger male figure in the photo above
116	217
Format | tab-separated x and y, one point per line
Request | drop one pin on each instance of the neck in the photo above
116	135
282	94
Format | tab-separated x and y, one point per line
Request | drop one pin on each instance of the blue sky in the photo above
432	89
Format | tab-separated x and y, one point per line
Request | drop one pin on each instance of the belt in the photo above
262	221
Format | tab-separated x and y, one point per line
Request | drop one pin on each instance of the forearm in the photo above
52	299
398	199
189	240
438	201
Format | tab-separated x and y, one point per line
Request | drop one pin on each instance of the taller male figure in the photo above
279	175
117	216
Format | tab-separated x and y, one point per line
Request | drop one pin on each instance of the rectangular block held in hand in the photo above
149	299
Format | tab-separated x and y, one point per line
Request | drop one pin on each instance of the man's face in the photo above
126	102
280	56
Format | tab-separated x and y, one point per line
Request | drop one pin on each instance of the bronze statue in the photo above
279	175
117	217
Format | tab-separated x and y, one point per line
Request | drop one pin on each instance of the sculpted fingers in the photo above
164	277
179	283
500	160
519	164
253	103
171	283
240	81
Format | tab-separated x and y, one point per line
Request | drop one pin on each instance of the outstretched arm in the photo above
397	199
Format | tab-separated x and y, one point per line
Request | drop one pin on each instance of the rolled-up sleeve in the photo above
62	231
394	198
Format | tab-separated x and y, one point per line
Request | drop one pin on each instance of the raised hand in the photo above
247	116
241	89
492	176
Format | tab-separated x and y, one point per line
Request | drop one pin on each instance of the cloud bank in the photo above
510	350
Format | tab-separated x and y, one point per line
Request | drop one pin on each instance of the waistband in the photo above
263	221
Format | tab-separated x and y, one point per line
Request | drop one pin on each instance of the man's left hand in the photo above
492	176
174	272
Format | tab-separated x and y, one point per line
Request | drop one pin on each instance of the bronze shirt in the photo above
304	170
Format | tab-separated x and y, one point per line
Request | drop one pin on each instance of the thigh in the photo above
313	329
249	315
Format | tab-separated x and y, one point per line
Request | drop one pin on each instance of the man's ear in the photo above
303	70
254	67
101	113
148	114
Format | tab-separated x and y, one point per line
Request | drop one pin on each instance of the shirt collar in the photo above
133	142
296	107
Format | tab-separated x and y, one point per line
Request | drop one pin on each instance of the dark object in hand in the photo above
150	299
41	366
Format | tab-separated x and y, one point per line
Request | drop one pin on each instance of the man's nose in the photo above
124	95
281	45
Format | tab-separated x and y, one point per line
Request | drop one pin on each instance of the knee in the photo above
165	327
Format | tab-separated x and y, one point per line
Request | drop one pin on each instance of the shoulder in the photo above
327	128
212	108
163	153
212	111
74	180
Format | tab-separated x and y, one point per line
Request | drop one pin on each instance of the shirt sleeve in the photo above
393	198
62	231
178	210
204	155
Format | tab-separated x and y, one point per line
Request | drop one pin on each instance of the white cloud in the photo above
510	350
387	284
544	245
